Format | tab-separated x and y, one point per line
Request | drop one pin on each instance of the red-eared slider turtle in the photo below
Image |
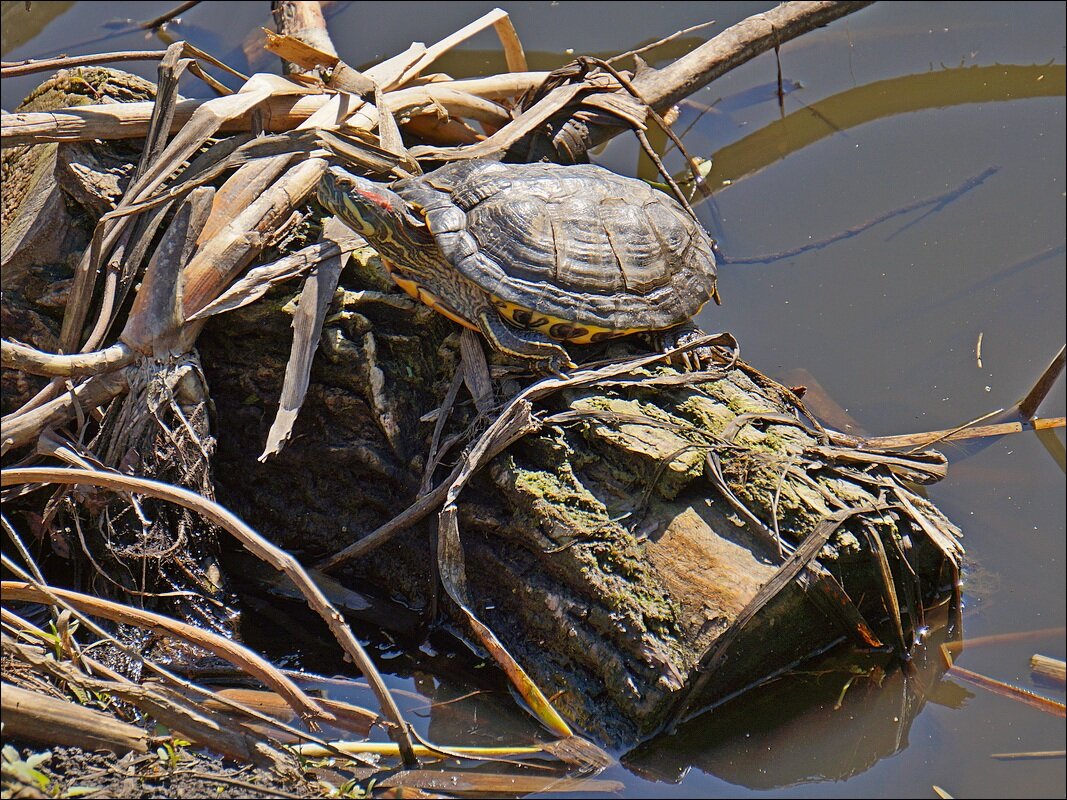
534	254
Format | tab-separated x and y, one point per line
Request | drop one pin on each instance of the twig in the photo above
958	434
950	649
164	18
434	455
1028	405
16	540
694	167
1034	754
962	427
388	749
13	69
661	42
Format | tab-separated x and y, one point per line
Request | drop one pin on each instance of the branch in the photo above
13	69
15	355
738	44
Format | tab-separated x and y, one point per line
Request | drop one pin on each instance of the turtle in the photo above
533	256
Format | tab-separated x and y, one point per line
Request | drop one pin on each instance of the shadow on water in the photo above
878	100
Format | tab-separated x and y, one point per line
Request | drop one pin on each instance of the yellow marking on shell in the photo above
545	323
427	297
518	315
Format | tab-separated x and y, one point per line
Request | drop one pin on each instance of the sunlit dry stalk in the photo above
15	355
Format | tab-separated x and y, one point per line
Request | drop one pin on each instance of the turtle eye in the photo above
413	219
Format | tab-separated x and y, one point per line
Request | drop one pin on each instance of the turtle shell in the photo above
577	243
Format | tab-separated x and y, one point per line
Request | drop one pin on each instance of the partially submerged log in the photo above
619	550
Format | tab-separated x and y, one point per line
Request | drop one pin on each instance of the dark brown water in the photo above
895	104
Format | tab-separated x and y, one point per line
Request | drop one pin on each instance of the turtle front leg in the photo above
546	355
692	360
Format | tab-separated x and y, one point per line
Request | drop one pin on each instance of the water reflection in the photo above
850	711
878	100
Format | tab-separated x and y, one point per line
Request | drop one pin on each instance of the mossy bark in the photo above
46	222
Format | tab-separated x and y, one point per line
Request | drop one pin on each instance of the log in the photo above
655	542
602	549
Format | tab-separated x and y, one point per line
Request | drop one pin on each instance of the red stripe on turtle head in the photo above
375	197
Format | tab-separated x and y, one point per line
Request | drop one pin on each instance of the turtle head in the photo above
381	216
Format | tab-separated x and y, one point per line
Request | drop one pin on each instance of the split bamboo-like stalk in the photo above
463	98
1049	668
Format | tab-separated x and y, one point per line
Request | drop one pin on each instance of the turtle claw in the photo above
694	360
556	365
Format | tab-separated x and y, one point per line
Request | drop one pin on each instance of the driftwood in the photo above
634	541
